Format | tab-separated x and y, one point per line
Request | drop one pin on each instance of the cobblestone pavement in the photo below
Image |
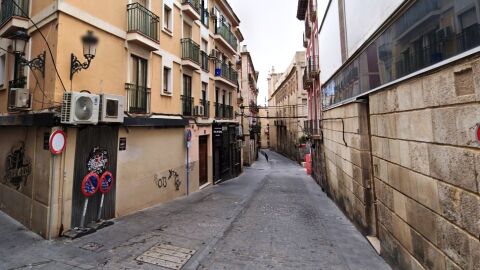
271	217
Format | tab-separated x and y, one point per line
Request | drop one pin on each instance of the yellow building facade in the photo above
163	73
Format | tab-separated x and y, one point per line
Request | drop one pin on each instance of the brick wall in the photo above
426	167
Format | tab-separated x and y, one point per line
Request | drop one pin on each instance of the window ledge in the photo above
167	31
167	94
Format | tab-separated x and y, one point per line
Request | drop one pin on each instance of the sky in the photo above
272	34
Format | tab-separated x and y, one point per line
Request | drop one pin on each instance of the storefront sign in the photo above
122	145
17	167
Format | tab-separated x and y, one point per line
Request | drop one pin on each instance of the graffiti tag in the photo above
98	161
162	182
17	167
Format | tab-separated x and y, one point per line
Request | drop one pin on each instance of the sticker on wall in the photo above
17	167
106	182
98	161
90	184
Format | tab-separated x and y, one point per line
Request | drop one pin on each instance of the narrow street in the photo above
271	217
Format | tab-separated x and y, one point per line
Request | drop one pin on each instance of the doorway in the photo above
203	160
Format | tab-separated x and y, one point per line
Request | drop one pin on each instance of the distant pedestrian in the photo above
266	156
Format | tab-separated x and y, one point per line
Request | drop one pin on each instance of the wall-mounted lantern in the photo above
20	39
89	42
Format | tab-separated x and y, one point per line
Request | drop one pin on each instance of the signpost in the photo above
106	184
188	139
56	143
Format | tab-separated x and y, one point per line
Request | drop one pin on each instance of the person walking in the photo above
265	154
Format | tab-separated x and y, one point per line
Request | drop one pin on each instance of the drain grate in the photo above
167	256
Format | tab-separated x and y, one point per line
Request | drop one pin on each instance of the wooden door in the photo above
92	140
203	160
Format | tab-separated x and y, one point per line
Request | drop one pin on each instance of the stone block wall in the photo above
347	157
426	166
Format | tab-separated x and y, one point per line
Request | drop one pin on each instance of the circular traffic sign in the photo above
189	135
106	182
57	142
90	184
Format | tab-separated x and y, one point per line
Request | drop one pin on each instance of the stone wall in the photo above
426	166
347	157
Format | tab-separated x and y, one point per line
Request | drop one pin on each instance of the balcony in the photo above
305	41
204	61
308	28
190	53
11	16
313	67
224	35
138	99
228	111
205	18
142	27
191	8
254	109
187	105
218	110
206	106
313	11
307	80
227	73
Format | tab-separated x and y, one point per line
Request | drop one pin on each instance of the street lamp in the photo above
89	42
20	39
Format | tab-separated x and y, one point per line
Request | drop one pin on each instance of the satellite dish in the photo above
83	108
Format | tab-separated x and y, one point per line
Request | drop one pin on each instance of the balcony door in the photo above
187	95
138	95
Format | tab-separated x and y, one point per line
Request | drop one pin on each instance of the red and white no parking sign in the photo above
57	142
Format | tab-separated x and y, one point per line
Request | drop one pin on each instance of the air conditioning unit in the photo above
214	54
20	98
80	108
214	13
111	108
199	110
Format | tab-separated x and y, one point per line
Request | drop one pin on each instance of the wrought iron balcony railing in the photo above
218	110
204	61
195	4
11	8
142	20
190	50
138	98
206	106
227	72
187	105
224	31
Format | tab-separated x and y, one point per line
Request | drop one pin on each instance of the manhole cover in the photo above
167	256
92	246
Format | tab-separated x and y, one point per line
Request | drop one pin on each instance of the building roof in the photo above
302	9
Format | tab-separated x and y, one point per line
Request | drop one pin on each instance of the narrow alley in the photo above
271	217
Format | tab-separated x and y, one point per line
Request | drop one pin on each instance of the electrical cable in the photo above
48	45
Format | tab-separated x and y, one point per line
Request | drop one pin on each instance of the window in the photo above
187	30
204	91
187	99
404	47
139	94
2	71
167	18
167	80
